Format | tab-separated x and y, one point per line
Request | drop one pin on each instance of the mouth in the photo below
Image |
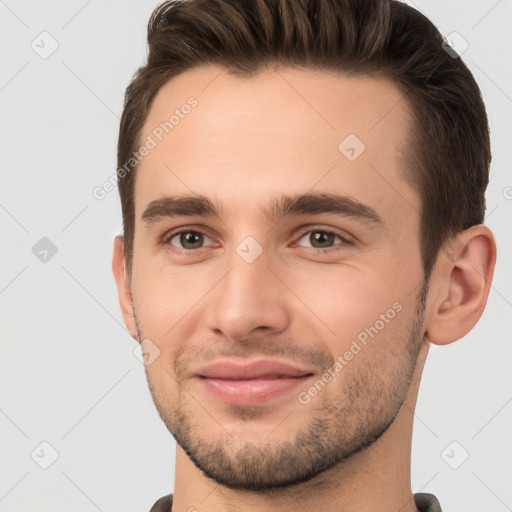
251	391
251	384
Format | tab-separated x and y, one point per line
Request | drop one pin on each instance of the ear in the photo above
461	284
123	286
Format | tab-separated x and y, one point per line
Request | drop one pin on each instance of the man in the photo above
302	185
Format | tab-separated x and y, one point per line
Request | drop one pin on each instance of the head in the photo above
310	100
448	148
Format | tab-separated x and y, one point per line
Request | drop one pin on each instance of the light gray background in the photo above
69	376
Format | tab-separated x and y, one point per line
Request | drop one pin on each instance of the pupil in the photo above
186	238
319	235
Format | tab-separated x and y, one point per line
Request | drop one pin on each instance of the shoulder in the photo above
164	504
427	502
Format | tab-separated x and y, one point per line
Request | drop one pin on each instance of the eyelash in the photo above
188	252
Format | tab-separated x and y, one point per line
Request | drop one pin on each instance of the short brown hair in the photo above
449	147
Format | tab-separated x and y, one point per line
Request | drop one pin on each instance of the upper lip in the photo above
257	369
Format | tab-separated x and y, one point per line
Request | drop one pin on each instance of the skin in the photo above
249	140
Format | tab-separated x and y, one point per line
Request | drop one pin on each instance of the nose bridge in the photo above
249	296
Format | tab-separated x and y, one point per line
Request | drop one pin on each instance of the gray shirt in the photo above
425	502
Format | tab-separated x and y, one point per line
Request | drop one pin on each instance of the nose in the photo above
249	298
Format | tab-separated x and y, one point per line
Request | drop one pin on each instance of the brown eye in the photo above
186	240
322	239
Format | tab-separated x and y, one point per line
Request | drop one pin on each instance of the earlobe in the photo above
123	286
463	280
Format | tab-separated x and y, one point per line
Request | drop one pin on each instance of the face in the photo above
303	250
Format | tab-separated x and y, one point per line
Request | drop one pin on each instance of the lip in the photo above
250	384
263	368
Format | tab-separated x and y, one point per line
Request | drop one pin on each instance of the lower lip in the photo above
251	391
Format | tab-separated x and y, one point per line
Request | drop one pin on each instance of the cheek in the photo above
167	306
162	297
162	387
345	296
354	310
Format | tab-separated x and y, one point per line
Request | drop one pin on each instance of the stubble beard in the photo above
341	425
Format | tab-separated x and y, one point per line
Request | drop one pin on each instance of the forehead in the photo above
286	130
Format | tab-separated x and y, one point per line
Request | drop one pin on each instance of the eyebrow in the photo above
278	208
